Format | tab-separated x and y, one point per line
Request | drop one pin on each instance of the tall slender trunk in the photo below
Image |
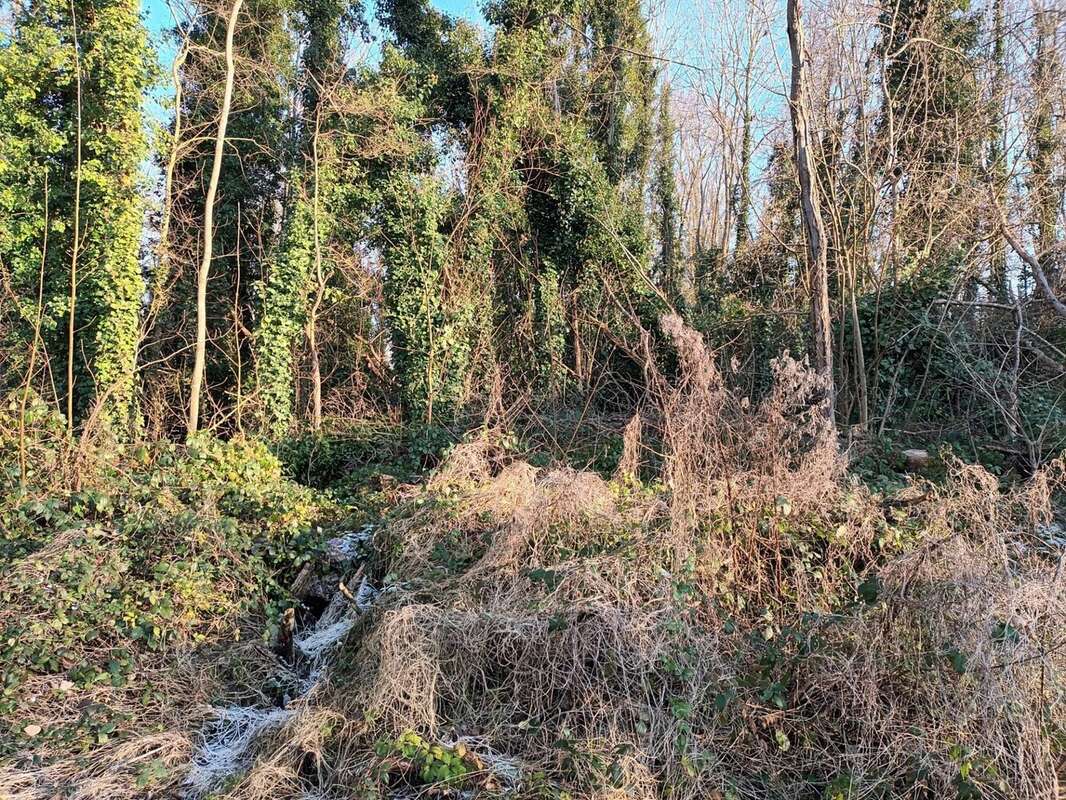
32	365
814	227
996	151
743	190
196	383
163	269
862	389
76	241
320	291
1044	138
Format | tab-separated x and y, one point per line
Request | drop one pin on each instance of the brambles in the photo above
781	632
164	550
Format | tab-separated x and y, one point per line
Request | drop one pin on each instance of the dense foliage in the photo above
577	417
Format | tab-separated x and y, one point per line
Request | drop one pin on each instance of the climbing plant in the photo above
248	212
297	275
72	85
284	317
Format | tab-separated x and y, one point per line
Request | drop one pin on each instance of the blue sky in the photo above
158	17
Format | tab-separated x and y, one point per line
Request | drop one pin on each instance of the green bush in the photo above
165	546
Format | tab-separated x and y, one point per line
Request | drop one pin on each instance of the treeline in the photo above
419	216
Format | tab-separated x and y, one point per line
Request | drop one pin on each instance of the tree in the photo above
930	128
72	84
294	289
204	272
621	86
814	229
664	190
996	148
1043	140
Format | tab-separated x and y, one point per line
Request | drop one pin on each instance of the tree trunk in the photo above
164	260
76	240
743	189
814	228
196	383
996	152
320	291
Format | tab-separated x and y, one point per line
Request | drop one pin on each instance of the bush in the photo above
161	549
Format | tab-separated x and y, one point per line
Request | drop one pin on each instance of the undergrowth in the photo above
726	611
754	623
111	587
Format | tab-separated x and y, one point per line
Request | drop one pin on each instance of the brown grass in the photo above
760	628
599	639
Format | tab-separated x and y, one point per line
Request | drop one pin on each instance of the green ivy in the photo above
39	71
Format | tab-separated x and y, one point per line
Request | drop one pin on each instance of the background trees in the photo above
400	226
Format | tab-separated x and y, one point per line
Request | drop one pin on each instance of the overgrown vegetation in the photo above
778	631
155	550
568	399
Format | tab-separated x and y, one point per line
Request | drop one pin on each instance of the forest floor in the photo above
729	612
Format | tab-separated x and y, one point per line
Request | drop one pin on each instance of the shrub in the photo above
162	548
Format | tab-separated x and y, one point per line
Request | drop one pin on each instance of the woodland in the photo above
547	399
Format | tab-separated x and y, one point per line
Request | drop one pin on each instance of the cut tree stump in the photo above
916	460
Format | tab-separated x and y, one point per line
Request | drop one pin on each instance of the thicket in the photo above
746	622
519	469
120	558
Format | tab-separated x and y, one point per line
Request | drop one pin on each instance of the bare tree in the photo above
195	385
814	228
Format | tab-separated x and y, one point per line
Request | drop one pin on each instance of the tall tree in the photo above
204	272
248	201
294	288
814	228
621	87
930	128
1043	140
73	83
664	191
997	156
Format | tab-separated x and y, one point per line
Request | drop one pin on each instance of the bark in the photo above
997	156
196	383
813	226
320	292
76	241
159	287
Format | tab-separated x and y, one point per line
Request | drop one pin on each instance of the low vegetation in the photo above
729	613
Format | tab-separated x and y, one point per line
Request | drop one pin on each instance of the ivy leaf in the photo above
958	660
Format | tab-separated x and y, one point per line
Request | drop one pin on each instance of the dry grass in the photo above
709	641
573	681
759	628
